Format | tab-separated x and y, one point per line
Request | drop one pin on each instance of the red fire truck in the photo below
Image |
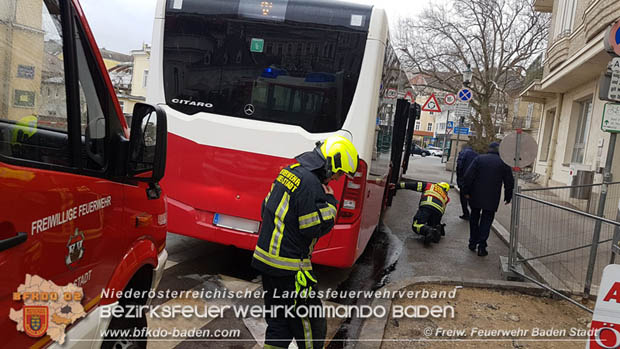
80	204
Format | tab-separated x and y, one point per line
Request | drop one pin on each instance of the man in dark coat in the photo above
482	185
466	156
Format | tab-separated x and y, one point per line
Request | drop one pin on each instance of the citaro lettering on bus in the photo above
192	103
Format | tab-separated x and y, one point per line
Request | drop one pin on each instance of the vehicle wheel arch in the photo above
135	269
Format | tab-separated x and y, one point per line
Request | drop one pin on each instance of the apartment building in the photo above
570	137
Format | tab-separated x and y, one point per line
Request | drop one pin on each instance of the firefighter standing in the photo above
427	221
299	209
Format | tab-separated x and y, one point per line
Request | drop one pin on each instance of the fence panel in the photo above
554	230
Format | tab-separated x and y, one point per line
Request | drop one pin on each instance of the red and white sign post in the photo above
605	328
410	97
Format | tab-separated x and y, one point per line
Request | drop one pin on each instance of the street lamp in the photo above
467	75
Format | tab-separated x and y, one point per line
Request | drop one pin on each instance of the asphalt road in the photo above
393	253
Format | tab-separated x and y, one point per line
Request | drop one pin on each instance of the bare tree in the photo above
498	38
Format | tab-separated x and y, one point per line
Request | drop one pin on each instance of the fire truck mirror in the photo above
147	143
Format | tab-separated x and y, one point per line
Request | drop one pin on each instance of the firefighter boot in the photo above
441	227
437	233
429	233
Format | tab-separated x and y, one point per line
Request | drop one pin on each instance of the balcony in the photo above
558	52
598	15
543	5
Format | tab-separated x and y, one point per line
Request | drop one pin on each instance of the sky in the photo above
122	25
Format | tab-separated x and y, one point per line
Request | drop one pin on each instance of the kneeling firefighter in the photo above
427	220
299	209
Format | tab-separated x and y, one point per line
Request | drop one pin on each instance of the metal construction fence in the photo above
554	234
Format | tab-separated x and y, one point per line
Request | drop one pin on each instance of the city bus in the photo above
248	85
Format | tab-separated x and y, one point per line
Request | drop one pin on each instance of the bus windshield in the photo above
300	65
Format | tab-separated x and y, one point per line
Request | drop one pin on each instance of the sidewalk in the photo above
450	262
450	257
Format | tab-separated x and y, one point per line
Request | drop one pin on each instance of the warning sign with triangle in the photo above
409	97
432	105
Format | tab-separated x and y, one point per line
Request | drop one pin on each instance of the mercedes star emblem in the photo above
248	109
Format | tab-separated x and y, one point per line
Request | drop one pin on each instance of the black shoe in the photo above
436	235
482	252
427	239
442	229
472	248
464	217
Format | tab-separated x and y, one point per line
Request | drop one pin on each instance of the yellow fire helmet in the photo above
444	185
340	154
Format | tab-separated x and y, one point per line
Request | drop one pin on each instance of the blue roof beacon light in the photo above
272	73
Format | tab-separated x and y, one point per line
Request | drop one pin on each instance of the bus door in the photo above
414	113
401	118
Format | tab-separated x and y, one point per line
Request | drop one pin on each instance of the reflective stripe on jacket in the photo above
432	194
295	214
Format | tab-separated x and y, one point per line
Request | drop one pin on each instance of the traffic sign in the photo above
465	94
527	150
614	82
391	93
449	99
606	318
432	105
409	97
613	38
257	45
461	130
611	118
463	109
450	125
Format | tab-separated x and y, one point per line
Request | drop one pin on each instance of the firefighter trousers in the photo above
309	332
425	216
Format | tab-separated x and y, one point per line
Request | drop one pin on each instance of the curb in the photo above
374	328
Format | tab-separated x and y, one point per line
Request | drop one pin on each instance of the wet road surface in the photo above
393	253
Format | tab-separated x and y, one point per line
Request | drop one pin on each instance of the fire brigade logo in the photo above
35	320
75	247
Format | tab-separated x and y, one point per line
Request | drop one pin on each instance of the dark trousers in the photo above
426	215
282	329
464	204
479	226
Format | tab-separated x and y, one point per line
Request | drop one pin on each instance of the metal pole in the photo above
445	138
616	243
514	219
456	150
601	212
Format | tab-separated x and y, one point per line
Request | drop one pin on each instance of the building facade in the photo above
130	79
423	133
570	137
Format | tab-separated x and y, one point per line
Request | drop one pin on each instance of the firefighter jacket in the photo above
432	194
295	214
